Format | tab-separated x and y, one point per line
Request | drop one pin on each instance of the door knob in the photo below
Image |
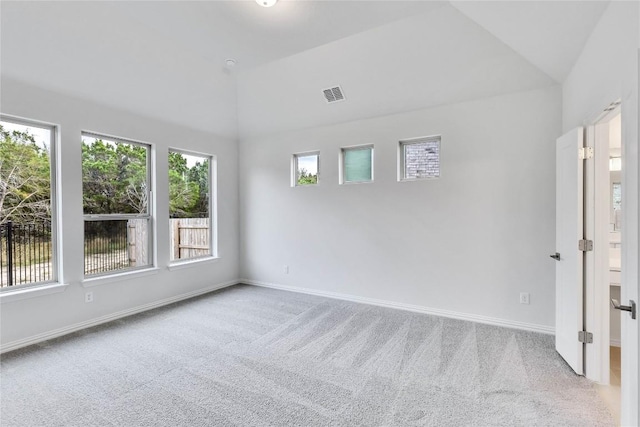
630	308
555	256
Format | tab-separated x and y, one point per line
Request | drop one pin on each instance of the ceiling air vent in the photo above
333	94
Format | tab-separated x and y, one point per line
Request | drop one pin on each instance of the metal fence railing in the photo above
111	245
105	246
25	253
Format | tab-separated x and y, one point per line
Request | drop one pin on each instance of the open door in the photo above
630	290
569	257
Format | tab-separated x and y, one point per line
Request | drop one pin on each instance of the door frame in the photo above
597	217
630	283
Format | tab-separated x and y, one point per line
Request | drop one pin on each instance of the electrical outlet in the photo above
88	297
286	269
524	297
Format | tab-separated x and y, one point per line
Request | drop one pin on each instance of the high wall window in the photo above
420	158
191	205
116	197
27	203
357	164
305	168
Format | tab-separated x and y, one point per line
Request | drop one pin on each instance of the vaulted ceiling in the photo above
166	59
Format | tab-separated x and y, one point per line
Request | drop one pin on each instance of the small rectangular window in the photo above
305	168
420	158
357	164
27	204
190	205
116	197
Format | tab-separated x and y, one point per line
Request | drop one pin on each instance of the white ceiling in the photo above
255	35
549	34
427	60
165	59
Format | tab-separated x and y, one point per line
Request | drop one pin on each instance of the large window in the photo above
305	169
190	205
357	164
420	158
116	195
27	208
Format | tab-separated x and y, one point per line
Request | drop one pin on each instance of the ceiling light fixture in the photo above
266	3
229	63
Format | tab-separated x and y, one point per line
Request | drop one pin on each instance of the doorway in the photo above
603	267
590	198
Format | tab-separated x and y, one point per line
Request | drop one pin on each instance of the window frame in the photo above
149	215
294	168
54	178
402	175
213	206
343	167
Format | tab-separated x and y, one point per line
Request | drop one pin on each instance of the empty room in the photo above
319	213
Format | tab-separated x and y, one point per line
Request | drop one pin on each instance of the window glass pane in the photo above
357	164
115	183
307	169
189	205
112	245
114	177
617	196
422	159
26	229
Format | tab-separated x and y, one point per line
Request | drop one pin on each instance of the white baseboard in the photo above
614	343
14	345
409	307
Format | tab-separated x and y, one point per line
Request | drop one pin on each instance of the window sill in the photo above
192	262
118	277
426	178
32	292
356	182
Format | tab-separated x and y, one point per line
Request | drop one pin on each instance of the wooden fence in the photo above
190	238
137	232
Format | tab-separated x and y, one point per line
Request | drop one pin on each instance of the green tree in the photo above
99	177
305	178
183	194
114	177
188	187
25	179
133	169
199	175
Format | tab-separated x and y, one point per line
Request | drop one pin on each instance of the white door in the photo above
630	339
569	265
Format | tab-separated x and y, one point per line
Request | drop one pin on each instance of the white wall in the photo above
468	242
607	70
30	317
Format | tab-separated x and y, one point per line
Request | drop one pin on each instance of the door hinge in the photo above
585	153
585	245
585	337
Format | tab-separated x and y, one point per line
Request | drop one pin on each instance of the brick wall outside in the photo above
422	160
